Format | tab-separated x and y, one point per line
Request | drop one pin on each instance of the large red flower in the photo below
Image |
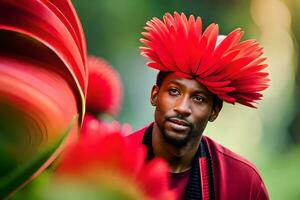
43	81
231	69
110	167
105	90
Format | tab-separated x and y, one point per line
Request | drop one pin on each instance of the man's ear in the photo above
214	114
154	94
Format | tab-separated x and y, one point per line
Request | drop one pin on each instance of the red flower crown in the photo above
227	67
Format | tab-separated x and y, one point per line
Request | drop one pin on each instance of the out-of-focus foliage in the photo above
294	6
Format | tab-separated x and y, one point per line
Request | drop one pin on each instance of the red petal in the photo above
48	29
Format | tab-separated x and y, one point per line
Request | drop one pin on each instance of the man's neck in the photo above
179	158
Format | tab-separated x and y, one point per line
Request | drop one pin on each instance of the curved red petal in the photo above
48	29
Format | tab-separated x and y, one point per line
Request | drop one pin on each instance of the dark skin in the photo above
183	107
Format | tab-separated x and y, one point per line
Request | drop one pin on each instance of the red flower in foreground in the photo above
93	126
105	90
111	167
231	69
43	82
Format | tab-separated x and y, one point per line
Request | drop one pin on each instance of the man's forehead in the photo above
191	84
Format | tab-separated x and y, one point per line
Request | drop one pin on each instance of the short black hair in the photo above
163	74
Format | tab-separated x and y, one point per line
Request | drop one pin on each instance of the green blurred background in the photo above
268	136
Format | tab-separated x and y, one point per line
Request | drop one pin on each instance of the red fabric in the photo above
235	178
204	178
179	182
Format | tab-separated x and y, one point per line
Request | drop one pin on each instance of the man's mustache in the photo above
179	119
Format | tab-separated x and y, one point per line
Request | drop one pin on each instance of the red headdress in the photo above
227	67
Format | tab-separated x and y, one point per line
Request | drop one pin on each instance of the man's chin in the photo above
175	139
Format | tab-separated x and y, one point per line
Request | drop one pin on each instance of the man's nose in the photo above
183	106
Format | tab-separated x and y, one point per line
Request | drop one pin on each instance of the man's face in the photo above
183	108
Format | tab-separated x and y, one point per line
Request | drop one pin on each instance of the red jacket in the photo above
234	177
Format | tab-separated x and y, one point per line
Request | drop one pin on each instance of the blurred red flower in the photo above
105	90
92	125
108	165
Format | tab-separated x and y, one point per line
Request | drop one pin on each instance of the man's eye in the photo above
198	99
173	92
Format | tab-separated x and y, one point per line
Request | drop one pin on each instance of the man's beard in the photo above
176	142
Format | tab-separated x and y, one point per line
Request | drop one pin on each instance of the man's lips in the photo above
180	122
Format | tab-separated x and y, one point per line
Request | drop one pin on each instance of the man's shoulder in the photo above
236	172
229	158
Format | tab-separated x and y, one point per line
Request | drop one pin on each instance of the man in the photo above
197	72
